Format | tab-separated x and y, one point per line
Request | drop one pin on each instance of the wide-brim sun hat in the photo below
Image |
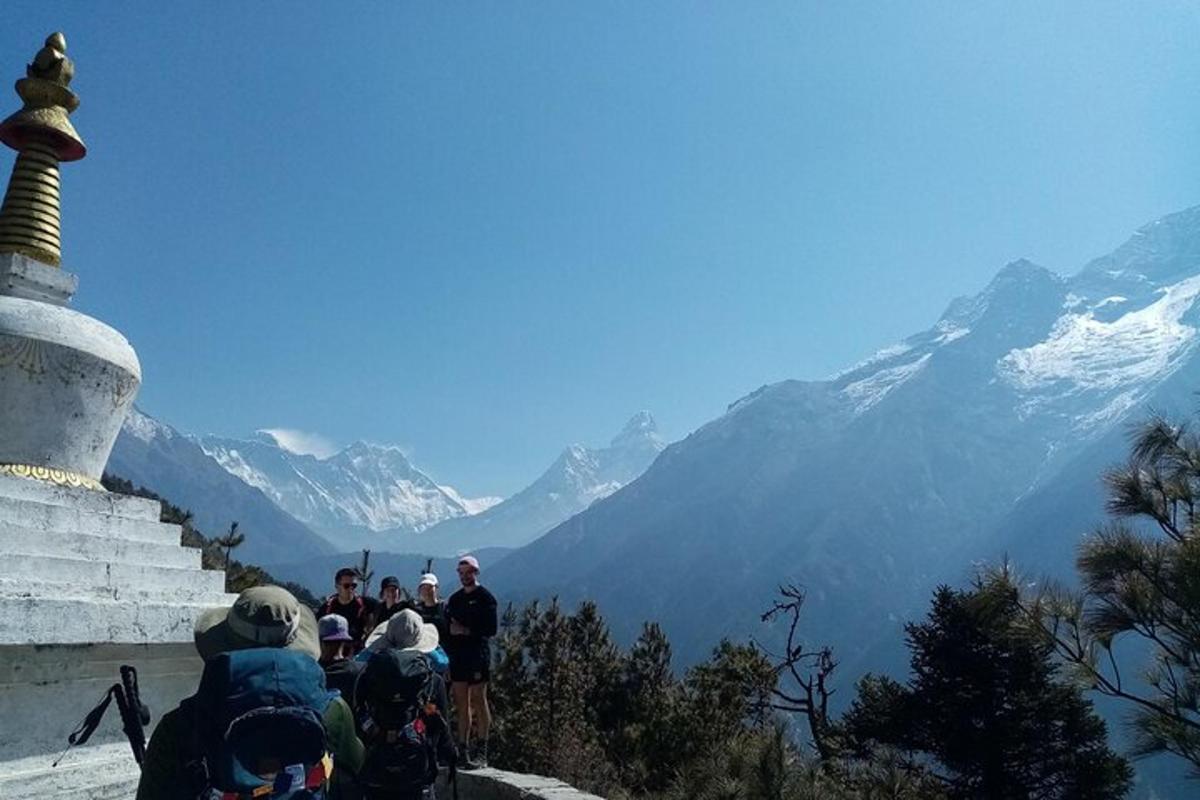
404	631
262	616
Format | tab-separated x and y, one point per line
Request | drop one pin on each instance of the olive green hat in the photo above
262	616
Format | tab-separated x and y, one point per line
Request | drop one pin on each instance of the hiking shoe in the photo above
481	754
466	760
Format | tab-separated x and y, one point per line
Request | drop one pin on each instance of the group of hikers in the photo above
351	705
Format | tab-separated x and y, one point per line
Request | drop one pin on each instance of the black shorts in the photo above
471	664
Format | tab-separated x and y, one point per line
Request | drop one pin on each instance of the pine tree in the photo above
728	693
985	711
364	573
599	670
1141	584
647	743
230	542
515	729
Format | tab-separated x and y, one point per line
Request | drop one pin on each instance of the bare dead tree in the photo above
802	675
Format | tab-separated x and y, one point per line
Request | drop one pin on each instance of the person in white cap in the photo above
431	609
471	612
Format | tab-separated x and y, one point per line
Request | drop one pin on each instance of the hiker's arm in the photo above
487	617
162	771
343	741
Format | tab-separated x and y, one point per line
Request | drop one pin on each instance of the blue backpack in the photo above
259	726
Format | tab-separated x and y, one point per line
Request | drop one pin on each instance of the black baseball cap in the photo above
390	580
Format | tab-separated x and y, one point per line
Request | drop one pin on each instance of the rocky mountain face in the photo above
578	477
372	496
985	433
365	495
155	455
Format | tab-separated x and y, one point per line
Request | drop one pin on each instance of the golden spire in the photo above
42	135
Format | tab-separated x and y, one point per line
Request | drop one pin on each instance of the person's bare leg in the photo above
481	712
462	712
482	715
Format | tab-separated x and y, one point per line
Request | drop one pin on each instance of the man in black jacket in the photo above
359	611
471	612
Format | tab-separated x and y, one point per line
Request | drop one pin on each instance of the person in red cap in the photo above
471	612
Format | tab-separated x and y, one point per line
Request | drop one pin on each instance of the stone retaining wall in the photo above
494	784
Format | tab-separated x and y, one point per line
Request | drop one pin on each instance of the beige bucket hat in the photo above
404	631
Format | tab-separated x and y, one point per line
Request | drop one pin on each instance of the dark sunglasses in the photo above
349	585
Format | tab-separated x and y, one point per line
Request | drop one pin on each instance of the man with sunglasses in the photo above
346	602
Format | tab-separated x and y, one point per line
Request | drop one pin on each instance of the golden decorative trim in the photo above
60	477
43	136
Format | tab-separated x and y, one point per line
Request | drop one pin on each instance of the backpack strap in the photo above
194	764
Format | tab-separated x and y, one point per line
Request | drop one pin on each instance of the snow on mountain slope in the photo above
473	505
868	391
156	456
859	486
1083	352
349	497
578	477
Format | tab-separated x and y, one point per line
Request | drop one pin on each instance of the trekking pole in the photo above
134	717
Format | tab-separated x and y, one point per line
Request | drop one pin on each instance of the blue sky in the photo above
486	231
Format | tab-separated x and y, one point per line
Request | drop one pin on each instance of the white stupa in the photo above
88	580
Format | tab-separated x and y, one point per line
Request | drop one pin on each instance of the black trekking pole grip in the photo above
134	715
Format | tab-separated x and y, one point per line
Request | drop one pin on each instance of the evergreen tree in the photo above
648	742
599	670
515	731
727	694
229	542
1142	584
985	712
364	573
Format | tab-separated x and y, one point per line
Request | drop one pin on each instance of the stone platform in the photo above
88	581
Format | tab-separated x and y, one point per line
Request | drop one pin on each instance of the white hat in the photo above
428	578
404	631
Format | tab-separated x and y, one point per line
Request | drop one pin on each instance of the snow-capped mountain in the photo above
363	495
578	477
872	486
154	455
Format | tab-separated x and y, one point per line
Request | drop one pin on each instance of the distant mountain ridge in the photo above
372	496
872	486
578	477
361	496
154	455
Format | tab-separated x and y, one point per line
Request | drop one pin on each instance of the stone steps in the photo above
158	585
62	519
21	540
12	488
90	772
74	620
69	576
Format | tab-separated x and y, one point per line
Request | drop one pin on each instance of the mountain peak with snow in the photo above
364	494
578	477
640	430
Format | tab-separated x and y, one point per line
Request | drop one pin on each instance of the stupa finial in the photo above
43	136
51	62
